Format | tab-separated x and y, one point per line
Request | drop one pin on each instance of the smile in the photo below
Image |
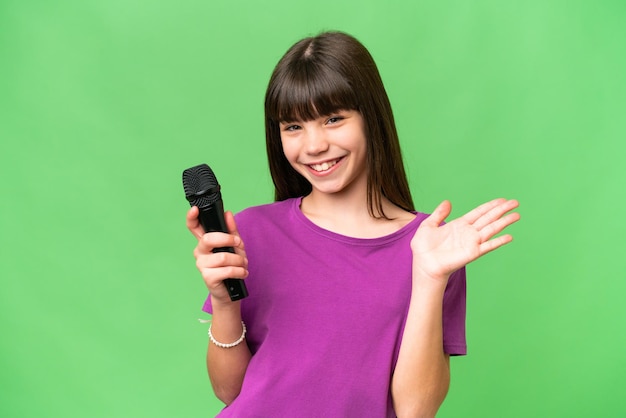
325	166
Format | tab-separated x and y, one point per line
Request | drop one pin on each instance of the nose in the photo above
316	142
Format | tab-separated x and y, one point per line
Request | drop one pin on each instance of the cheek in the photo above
289	150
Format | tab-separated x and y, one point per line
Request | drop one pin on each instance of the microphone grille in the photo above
201	186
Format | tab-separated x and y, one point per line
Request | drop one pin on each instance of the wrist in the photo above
425	280
226	322
226	307
226	313
427	294
228	345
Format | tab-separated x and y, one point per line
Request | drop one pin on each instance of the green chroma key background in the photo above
103	104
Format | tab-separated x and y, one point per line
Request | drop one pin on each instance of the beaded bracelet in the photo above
231	345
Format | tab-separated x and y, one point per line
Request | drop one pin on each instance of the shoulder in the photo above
275	214
269	209
419	217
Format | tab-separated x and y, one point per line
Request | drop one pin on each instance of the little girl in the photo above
356	300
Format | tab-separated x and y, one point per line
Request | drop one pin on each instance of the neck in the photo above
347	214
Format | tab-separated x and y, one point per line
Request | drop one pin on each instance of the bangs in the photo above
309	92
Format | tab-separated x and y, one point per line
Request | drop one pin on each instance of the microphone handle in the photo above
211	218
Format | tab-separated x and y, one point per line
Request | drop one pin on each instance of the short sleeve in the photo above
206	307
454	342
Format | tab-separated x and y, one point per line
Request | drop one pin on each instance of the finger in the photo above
193	224
232	228
231	225
473	215
495	213
213	277
211	240
220	260
215	267
492	244
439	215
498	226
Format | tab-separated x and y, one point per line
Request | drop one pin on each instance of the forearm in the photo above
227	366
422	375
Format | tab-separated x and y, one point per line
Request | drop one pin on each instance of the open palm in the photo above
440	249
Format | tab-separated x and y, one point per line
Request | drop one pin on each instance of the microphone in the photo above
203	190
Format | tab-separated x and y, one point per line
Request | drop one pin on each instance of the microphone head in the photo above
201	186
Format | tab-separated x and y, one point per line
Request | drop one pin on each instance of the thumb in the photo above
231	224
439	215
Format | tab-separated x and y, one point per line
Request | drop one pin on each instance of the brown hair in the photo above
316	77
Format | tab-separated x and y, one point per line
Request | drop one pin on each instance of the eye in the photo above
334	119
290	127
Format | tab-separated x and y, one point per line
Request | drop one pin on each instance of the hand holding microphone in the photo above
220	255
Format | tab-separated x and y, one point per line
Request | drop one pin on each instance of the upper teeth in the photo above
324	166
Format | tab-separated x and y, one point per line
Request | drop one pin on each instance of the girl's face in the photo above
330	152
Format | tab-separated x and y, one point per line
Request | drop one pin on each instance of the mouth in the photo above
325	166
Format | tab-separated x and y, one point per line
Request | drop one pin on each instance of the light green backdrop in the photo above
103	103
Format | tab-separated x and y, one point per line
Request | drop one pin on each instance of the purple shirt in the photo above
325	316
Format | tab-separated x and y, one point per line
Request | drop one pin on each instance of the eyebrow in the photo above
336	112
